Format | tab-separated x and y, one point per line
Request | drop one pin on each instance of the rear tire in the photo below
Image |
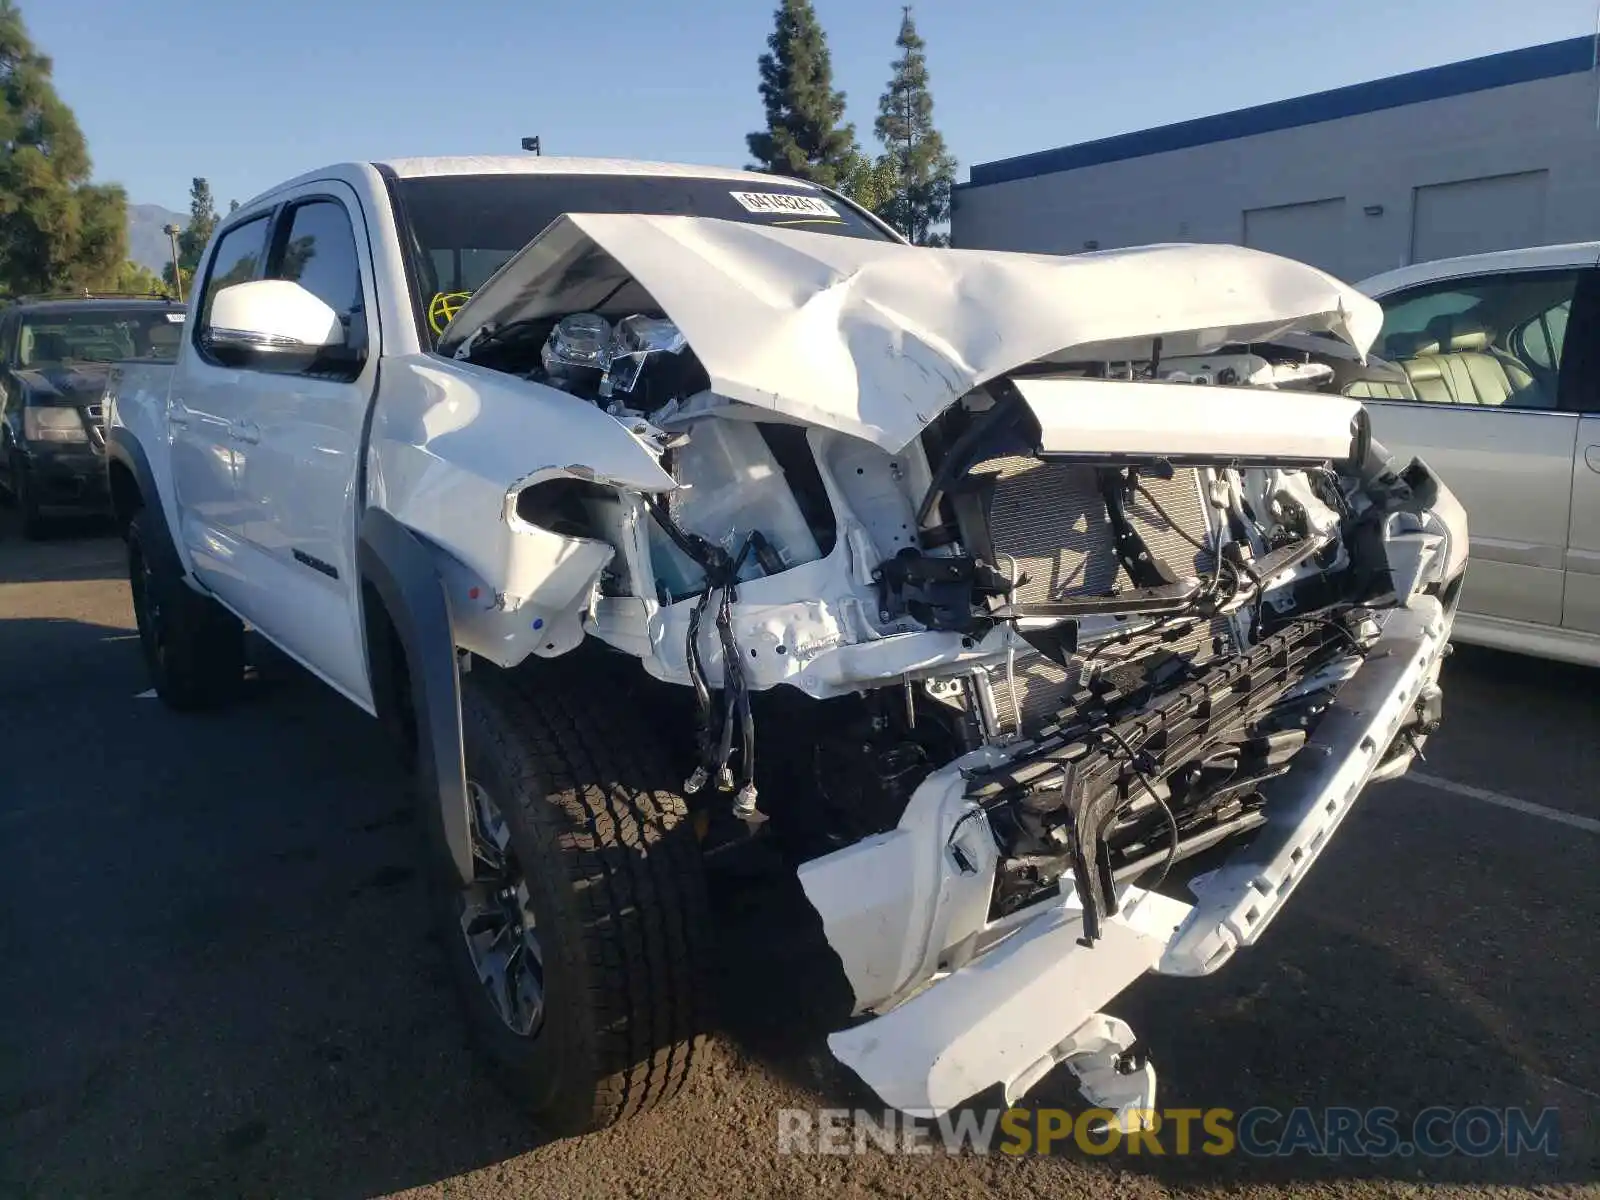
193	647
600	872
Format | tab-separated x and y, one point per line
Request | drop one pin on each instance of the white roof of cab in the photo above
523	164
1529	258
534	164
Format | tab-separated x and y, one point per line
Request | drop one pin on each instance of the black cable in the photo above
1166	809
732	685
1008	408
697	676
1260	598
1139	487
1162	627
721	573
1355	642
735	689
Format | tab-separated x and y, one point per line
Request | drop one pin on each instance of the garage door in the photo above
1499	212
1312	233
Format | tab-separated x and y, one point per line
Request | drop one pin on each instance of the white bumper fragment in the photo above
966	1004
1004	1017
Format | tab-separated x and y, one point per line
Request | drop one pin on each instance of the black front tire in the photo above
616	889
193	647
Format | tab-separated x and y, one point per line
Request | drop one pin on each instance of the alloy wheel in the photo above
497	921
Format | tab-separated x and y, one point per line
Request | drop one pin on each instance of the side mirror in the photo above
273	325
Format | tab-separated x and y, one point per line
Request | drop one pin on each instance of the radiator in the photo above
1048	524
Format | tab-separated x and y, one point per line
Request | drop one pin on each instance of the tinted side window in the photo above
318	252
1493	342
237	260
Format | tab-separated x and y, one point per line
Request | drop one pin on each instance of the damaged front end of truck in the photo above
1069	600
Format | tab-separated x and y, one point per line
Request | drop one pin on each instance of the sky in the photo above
251	93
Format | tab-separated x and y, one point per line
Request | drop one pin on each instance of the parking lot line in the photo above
1560	816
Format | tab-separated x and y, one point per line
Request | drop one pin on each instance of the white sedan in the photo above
1500	393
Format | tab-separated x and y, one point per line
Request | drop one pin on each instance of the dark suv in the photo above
55	356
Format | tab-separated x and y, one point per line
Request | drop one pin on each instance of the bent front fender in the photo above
452	448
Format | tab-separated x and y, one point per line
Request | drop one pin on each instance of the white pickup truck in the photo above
586	477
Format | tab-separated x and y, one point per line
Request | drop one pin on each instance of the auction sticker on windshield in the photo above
786	204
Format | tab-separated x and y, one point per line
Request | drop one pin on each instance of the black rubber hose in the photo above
1008	408
1166	809
697	677
732	679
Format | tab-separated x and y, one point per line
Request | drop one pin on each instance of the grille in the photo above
94	421
1049	520
1041	686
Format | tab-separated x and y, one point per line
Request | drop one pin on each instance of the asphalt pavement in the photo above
217	976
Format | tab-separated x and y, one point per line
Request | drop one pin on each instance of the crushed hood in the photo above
877	338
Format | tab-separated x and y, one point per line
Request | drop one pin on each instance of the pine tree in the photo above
196	233
57	230
915	151
803	137
869	182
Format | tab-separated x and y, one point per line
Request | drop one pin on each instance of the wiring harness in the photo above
720	710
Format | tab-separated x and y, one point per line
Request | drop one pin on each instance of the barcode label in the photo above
785	203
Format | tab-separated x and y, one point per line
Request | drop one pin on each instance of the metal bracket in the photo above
1143	567
1112	1069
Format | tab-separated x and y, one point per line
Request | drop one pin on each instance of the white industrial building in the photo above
1487	154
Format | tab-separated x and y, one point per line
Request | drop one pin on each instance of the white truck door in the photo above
1487	418
200	414
299	443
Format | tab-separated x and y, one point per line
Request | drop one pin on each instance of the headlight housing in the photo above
53	424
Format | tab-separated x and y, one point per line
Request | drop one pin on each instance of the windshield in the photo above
466	226
60	337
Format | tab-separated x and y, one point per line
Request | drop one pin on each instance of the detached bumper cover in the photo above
1014	1009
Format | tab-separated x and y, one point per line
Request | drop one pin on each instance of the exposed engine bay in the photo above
1160	637
1062	661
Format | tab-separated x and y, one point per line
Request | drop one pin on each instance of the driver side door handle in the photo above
1591	458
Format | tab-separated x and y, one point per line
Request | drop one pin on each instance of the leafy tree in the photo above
187	281
804	137
923	171
196	233
870	183
233	206
135	279
296	255
57	230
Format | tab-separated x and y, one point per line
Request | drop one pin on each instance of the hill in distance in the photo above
147	245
